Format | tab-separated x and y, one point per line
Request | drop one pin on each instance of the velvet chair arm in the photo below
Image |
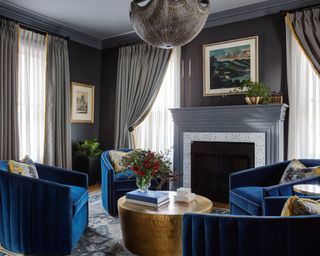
260	176
107	179
287	188
272	206
36	215
62	176
214	235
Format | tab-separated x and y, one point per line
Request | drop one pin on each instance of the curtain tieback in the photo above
131	129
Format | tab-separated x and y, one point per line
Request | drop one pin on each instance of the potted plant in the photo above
86	156
148	166
256	92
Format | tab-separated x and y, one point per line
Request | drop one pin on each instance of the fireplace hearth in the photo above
213	162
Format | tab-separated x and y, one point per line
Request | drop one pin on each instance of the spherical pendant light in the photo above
168	23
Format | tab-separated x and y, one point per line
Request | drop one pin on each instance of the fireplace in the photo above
213	162
254	134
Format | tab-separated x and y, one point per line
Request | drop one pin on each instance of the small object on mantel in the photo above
276	98
184	195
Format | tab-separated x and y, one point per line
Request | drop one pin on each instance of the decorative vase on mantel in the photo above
255	92
253	100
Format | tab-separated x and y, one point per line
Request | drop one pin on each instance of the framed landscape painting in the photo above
228	64
82	103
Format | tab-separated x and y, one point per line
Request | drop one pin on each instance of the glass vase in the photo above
143	183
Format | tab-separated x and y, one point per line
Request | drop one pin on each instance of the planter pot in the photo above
89	166
253	100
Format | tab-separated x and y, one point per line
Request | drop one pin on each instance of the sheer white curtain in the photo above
31	94
304	99
156	131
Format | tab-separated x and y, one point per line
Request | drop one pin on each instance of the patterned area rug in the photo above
103	236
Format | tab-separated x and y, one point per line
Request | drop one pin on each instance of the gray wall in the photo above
272	70
272	59
108	96
85	67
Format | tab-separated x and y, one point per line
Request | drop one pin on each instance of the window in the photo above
304	99
31	94
156	131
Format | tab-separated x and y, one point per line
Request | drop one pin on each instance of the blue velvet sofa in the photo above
115	184
250	188
229	235
44	216
234	235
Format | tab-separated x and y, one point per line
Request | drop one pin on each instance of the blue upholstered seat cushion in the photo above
248	199
124	175
79	196
4	166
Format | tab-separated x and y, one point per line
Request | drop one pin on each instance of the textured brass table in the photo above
152	232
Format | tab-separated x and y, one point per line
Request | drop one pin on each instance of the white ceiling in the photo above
101	18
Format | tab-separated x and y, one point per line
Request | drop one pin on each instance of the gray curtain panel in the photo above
9	132
306	25
141	69
57	141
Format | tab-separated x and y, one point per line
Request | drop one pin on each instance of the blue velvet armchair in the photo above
42	216
115	184
229	235
250	188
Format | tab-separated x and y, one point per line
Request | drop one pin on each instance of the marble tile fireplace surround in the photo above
262	125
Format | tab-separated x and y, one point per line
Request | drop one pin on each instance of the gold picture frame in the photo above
82	103
232	62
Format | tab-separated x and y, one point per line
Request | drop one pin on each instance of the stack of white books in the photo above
184	195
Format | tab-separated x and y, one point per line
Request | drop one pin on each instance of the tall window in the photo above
304	99
31	94
156	131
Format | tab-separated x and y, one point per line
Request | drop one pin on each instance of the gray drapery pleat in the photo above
57	141
306	26
9	135
141	69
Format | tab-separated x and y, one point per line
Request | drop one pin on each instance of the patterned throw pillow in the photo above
296	171
116	159
28	170
296	206
27	160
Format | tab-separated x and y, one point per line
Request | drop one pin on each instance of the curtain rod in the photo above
284	13
33	29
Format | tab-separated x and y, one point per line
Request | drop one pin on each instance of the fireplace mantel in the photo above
267	119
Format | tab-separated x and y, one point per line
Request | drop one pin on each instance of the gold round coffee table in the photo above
149	231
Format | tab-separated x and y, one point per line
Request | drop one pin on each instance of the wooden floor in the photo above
94	188
220	205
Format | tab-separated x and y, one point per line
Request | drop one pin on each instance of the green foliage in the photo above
89	148
254	89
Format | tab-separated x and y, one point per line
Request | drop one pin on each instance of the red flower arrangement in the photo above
148	165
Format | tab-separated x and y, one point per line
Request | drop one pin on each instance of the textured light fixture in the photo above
168	23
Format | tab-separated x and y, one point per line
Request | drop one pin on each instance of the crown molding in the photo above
255	11
215	19
121	40
226	17
43	23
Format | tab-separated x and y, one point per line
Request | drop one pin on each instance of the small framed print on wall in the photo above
82	103
227	64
